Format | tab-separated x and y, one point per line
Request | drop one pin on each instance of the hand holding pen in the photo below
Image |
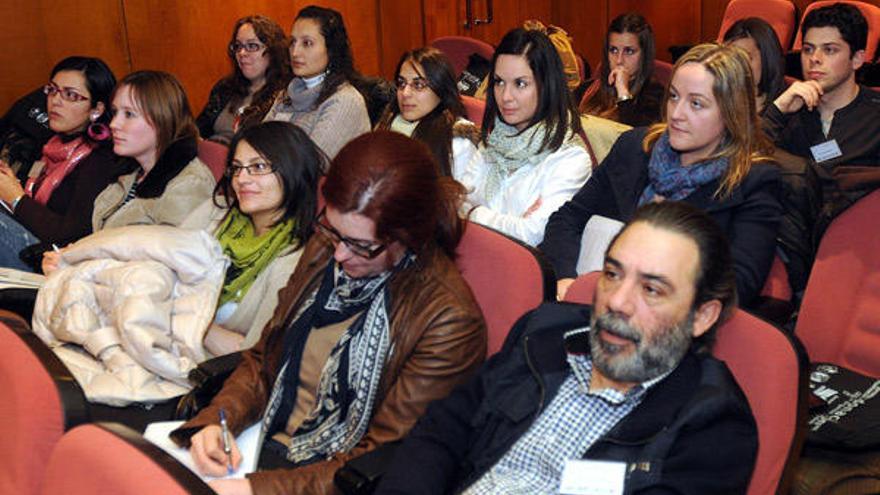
224	435
207	449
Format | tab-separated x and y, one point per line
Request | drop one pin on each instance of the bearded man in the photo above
618	397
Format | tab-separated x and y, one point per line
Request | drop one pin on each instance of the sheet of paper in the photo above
12	278
157	433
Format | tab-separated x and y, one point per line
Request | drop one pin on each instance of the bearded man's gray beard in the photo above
652	356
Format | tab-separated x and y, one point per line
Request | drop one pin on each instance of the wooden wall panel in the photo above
36	34
586	24
401	28
189	38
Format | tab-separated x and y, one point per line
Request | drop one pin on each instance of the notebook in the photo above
158	432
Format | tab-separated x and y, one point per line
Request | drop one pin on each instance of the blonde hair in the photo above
744	142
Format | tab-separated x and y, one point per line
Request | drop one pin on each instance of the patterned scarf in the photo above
507	151
249	254
669	179
350	379
60	159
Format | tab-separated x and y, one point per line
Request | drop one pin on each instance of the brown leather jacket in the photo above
438	338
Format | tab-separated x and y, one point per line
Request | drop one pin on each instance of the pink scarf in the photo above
59	159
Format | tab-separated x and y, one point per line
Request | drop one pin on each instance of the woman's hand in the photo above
207	452
231	487
10	187
619	78
51	260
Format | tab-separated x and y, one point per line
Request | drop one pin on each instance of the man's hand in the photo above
797	95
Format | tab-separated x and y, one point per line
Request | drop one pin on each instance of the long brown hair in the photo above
601	97
435	128
394	181
744	142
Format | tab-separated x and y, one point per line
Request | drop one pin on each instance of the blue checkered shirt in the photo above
575	419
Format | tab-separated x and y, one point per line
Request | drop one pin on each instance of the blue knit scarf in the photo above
668	178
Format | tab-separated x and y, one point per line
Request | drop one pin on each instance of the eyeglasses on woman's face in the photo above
67	94
364	249
417	84
248	46
257	168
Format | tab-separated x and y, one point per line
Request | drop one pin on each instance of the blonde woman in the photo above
709	151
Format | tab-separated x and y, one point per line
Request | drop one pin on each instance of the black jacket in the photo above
693	433
750	216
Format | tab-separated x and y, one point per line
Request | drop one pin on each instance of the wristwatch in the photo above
624	98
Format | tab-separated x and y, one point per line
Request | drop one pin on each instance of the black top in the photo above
750	216
67	216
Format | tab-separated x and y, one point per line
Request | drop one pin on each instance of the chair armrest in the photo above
361	475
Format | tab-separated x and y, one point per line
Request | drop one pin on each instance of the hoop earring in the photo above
98	131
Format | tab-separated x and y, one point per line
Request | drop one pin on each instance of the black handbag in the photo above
361	475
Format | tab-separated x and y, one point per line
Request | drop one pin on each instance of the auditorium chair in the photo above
459	48
871	13
770	367
474	108
39	400
213	154
508	278
111	458
780	14
839	320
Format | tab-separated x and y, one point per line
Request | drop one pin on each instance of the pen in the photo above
227	448
55	248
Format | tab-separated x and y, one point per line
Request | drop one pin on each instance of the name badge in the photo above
581	477
825	151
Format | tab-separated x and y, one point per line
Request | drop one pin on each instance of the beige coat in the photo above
188	189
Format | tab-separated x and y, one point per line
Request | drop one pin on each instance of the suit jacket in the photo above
750	216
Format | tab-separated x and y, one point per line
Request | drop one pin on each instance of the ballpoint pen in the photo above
227	446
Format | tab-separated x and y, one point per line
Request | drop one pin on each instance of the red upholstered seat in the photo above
507	278
769	367
871	13
213	155
32	414
839	321
777	285
459	48
780	14
475	108
111	458
662	72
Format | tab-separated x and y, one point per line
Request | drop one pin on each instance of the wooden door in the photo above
445	17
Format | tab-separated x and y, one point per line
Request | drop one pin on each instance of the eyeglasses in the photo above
250	47
67	94
258	168
360	248
418	84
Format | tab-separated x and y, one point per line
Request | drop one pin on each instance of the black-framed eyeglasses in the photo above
418	84
249	46
361	248
67	94
257	168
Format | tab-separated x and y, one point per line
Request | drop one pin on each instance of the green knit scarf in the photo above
249	254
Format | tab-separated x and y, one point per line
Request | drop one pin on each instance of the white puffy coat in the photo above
128	309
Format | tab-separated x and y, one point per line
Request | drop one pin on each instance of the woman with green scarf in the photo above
261	214
535	159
